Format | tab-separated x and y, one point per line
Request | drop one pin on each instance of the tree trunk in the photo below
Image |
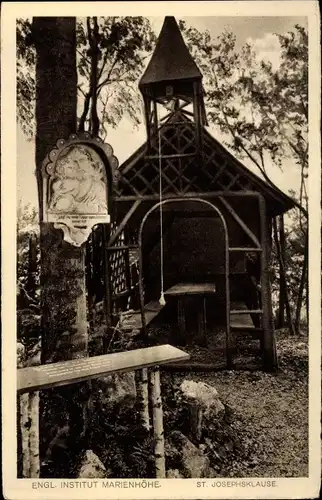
63	298
283	276
34	434
143	394
157	422
301	289
281	305
25	447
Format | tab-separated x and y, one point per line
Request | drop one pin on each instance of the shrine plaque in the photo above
78	370
77	180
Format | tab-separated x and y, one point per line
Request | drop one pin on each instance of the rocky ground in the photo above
217	424
266	415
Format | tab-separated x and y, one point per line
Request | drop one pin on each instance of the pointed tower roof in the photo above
171	59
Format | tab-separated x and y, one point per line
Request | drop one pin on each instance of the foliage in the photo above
121	46
295	241
27	225
262	109
26	87
28	289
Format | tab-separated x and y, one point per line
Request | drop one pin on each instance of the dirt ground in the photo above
270	410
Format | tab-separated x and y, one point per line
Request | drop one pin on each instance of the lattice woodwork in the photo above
183	170
118	265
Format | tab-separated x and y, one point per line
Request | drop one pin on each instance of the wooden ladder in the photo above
240	316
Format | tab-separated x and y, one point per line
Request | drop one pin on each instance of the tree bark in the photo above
157	422
34	434
281	304
24	422
143	394
301	289
63	298
283	276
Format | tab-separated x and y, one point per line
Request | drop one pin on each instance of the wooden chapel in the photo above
198	219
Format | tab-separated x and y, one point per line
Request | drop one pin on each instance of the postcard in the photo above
161	263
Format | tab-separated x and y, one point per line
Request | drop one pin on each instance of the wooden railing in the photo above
33	379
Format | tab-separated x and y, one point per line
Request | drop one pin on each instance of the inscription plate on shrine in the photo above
77	182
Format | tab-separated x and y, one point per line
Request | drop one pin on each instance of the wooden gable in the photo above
184	171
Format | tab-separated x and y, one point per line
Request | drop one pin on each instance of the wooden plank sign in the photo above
77	370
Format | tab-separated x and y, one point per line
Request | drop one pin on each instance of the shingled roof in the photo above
171	59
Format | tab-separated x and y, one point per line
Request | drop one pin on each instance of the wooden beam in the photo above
123	223
269	354
188	214
183	155
232	181
167	179
129	184
246	311
244	249
122	247
190	194
78	370
240	222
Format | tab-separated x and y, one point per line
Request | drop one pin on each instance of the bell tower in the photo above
172	80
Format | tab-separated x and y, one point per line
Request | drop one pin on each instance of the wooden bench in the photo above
32	379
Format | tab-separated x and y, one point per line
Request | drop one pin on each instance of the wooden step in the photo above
134	321
255	333
245	328
244	249
246	311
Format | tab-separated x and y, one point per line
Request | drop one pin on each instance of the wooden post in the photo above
269	355
229	338
147	110
24	426
197	115
34	434
143	390
157	423
29	425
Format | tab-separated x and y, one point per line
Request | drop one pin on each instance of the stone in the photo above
20	355
118	389
194	463
203	403
174	474
92	467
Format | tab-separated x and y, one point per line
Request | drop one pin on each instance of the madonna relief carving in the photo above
76	187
